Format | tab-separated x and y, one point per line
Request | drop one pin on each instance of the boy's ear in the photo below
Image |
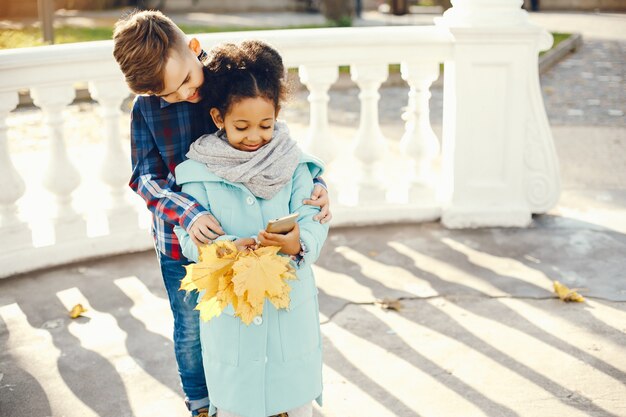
217	117
194	45
277	111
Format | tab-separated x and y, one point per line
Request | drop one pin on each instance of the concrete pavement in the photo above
479	332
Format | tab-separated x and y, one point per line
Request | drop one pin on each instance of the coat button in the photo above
258	320
250	200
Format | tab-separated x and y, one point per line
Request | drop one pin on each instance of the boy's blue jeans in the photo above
186	332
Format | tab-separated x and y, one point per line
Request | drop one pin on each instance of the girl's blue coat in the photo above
274	364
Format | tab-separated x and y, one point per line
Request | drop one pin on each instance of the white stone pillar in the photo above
370	144
115	167
318	80
12	185
61	177
419	141
493	118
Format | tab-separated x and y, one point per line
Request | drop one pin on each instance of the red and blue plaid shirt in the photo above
160	135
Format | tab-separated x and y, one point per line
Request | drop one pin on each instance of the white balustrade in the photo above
491	141
369	143
419	140
13	183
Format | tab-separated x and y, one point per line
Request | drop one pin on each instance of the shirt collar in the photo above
164	103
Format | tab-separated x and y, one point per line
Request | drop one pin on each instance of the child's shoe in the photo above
202	412
281	415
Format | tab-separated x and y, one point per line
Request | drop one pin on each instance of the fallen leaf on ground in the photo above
77	311
566	294
389	304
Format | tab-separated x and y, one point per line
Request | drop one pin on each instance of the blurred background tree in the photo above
446	4
340	12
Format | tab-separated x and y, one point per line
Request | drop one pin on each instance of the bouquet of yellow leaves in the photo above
241	278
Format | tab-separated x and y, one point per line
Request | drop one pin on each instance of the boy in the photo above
166	69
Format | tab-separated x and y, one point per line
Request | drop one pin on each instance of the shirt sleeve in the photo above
152	180
319	181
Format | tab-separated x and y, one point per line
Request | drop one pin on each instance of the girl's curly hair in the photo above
246	70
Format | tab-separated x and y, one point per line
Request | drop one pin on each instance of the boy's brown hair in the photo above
143	41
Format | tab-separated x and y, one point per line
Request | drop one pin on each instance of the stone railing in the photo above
496	167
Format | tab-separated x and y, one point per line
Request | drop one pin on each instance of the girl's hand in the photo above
289	243
245	243
319	198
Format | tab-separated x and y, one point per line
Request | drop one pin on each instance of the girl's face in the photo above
249	123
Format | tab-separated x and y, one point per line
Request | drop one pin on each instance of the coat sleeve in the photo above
198	192
312	233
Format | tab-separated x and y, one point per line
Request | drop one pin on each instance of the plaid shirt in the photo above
160	135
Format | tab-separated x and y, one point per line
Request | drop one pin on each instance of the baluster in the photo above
61	177
319	140
370	144
12	183
419	140
318	80
115	168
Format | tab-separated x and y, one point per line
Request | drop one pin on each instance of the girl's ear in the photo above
277	111
217	117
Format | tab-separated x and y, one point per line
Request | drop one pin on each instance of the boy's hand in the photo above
319	198
289	243
204	230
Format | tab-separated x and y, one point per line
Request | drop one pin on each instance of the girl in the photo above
247	173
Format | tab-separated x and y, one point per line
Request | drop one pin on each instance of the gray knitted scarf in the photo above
264	171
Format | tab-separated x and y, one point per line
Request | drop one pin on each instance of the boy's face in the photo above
183	75
249	124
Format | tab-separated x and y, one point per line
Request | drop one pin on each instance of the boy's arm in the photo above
196	191
319	197
154	182
312	233
190	249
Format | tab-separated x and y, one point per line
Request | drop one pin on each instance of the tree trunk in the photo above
446	4
338	11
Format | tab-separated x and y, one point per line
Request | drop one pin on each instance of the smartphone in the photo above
283	225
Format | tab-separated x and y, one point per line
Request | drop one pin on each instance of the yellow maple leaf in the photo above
226	290
259	274
222	249
566	294
247	312
282	300
209	308
77	311
267	250
214	261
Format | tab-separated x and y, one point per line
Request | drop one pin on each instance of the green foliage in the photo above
342	22
22	38
558	38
